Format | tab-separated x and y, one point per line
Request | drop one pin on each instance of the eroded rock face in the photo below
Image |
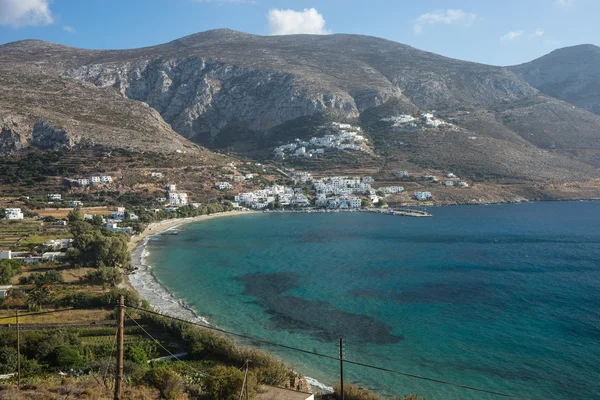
11	140
202	97
47	137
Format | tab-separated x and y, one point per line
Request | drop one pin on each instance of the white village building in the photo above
13	213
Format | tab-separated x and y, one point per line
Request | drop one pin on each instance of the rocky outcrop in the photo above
11	140
47	137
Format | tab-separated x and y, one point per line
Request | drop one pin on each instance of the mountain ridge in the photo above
228	89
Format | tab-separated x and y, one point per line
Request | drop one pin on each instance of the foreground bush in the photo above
353	392
226	383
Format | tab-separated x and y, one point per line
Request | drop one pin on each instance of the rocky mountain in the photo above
571	74
226	89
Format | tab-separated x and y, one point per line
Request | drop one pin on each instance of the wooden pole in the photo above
246	380
120	329
18	350
342	367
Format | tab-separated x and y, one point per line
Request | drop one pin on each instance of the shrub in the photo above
353	392
225	383
8	360
104	275
68	357
168	382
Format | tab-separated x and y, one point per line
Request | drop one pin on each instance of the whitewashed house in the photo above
449	183
5	255
13	213
55	197
463	184
354	202
113	227
422	195
96	179
401	174
301	200
106	179
172	187
75	203
224	186
83	182
156	174
178	199
4	289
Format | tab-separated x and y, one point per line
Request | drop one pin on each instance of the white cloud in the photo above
69	28
512	35
19	13
290	22
539	32
444	17
564	3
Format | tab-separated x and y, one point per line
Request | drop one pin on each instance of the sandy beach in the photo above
143	281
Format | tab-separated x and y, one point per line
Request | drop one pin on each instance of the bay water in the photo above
501	297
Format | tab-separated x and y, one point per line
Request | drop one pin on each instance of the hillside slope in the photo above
571	74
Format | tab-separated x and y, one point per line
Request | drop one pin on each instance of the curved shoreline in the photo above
146	284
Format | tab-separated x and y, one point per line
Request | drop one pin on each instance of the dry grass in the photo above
63	212
61	317
71	388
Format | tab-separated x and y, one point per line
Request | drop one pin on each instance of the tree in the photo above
75	215
8	269
37	297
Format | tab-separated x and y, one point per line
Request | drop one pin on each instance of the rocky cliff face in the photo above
205	83
199	97
10	139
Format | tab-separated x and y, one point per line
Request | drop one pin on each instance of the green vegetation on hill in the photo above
8	269
35	167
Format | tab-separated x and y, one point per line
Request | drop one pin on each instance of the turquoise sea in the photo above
501	297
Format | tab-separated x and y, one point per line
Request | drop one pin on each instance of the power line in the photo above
331	357
204	374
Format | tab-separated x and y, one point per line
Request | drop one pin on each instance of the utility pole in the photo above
18	350
120	329
246	380
342	367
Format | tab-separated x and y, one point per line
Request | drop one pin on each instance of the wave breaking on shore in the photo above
160	298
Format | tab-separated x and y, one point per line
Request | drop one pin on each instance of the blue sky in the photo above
499	32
